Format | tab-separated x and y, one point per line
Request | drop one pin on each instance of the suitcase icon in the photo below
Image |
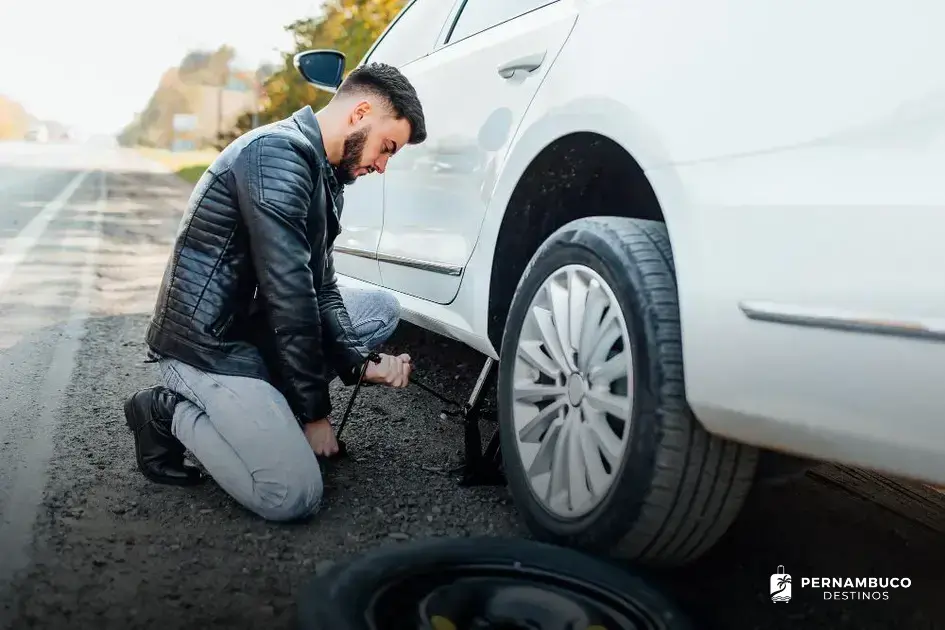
781	586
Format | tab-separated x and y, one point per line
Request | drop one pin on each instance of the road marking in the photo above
30	477
21	244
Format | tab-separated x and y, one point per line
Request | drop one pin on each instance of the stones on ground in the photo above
220	560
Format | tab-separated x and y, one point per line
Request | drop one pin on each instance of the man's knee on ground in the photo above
296	495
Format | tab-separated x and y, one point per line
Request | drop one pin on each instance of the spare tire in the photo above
479	583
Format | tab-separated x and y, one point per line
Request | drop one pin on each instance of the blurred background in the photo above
179	79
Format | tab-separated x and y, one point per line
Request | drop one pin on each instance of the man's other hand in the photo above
392	371
321	437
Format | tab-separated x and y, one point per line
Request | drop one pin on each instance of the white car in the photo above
690	232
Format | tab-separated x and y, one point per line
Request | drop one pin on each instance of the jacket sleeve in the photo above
346	352
275	185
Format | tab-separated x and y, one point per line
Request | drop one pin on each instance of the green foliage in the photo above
350	26
192	173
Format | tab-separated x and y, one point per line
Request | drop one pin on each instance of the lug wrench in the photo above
342	447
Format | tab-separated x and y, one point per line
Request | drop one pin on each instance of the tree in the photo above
180	91
207	68
349	26
14	120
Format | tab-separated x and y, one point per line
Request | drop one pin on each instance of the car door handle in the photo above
528	63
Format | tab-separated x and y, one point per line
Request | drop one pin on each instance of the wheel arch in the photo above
573	162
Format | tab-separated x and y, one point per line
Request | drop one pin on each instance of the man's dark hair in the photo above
386	81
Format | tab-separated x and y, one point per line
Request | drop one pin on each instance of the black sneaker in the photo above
160	455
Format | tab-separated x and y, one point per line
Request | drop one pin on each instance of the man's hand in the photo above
321	437
392	371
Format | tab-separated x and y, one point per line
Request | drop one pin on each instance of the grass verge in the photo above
192	173
188	165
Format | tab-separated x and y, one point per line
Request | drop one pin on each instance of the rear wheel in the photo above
600	448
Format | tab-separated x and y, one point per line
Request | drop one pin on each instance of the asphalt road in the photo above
86	542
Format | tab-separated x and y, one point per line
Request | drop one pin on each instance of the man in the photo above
249	325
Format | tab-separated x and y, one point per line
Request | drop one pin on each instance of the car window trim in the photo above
446	29
455	20
403	11
456	15
377	42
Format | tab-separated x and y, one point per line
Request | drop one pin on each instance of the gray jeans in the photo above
243	432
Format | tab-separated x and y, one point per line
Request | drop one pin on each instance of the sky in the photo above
94	63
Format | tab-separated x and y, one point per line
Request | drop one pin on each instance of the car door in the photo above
411	35
475	89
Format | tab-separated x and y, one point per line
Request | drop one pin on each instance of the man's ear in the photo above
360	111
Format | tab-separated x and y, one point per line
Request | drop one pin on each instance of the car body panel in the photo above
795	150
436	193
363	215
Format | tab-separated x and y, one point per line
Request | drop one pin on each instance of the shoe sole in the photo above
131	421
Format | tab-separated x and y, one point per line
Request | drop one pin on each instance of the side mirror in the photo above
322	68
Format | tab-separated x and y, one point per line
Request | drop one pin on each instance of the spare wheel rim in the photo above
500	597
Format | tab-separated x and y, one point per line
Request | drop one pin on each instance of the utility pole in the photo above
220	89
224	80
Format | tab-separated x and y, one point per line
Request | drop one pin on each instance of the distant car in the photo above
691	231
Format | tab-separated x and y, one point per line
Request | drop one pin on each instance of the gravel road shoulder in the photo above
115	551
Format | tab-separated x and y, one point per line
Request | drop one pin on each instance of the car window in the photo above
413	33
479	15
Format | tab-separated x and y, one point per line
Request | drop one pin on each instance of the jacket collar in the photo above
308	124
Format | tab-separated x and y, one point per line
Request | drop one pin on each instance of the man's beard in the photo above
351	157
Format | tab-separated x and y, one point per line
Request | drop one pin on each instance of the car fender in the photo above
603	116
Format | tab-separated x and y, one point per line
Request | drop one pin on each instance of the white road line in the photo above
21	244
16	523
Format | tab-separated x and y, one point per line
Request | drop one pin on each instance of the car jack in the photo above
480	467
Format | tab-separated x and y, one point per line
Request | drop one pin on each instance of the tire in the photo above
369	591
675	489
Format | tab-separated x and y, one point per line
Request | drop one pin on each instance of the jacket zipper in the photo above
221	327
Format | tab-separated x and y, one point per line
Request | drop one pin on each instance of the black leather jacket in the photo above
250	288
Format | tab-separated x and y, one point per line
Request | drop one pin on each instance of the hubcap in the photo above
573	391
576	389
